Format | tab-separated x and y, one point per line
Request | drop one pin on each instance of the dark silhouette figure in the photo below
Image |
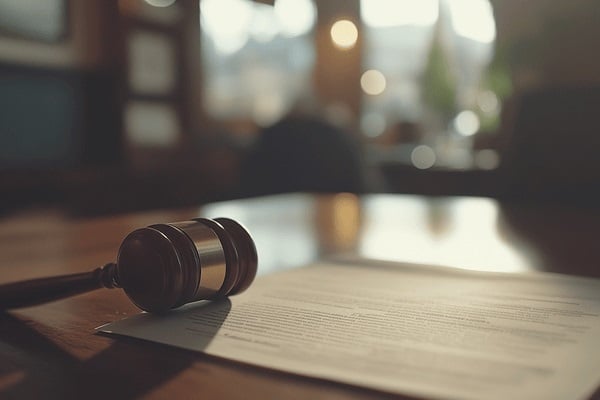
303	154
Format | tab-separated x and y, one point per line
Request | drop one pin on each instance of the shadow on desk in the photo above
565	239
123	369
113	370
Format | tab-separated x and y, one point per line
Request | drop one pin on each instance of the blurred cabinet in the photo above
153	82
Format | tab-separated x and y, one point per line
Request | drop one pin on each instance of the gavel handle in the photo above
38	291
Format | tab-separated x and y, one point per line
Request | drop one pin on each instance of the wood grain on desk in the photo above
51	351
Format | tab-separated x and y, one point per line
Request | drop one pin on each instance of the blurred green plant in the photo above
496	78
438	82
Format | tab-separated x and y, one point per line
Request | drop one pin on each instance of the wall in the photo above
553	42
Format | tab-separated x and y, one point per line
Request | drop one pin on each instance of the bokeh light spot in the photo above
344	34
423	157
373	82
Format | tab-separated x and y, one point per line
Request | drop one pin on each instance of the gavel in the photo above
160	267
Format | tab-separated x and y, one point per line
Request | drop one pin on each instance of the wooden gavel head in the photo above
160	267
165	266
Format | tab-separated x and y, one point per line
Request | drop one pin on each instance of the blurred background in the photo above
109	106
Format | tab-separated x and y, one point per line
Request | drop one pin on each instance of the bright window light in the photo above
296	17
262	27
473	19
382	13
228	23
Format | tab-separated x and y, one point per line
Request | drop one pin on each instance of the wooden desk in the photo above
51	351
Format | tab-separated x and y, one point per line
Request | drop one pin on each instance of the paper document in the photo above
414	330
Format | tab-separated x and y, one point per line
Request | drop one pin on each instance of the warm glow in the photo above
382	13
473	19
345	219
423	157
296	17
344	34
373	82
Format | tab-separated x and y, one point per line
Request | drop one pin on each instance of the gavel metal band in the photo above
211	256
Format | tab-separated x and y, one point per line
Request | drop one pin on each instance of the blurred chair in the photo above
303	154
553	148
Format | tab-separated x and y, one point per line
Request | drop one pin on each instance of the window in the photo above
257	60
423	80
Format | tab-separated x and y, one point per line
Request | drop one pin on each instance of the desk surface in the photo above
51	351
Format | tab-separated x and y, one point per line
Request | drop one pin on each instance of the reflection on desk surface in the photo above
291	230
49	350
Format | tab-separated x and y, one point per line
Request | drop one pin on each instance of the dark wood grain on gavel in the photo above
43	290
160	267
